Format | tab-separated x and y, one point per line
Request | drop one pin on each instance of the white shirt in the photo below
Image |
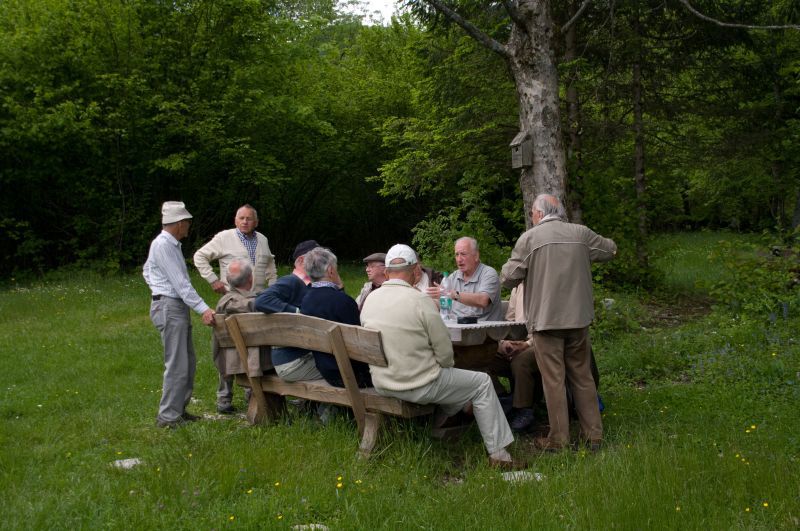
165	272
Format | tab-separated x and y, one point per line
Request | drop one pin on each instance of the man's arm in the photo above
438	335
275	299
516	269
271	270
600	249
202	261
487	291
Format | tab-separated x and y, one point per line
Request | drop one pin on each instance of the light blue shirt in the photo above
165	272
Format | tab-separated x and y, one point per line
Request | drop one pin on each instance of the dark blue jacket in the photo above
284	295
335	305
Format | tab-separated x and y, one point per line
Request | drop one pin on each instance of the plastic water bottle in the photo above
445	300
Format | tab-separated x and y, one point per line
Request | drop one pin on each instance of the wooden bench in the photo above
346	342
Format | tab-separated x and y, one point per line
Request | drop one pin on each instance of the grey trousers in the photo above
171	318
455	388
302	368
225	391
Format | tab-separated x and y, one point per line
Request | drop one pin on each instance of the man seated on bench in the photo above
420	357
239	299
326	300
285	295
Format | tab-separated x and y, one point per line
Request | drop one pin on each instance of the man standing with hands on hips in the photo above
172	296
554	260
243	241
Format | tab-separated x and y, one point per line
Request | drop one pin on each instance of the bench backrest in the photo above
221	335
345	342
303	331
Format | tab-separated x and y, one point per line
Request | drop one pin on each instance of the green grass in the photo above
82	367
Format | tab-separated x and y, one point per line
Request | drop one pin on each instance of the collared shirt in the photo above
250	243
325	284
165	272
483	280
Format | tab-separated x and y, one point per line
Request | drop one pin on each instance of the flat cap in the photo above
375	257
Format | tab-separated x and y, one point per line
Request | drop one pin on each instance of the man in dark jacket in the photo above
286	295
326	300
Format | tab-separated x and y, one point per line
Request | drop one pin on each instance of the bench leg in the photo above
372	425
264	407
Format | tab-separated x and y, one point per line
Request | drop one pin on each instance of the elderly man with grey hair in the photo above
172	296
420	357
239	299
474	286
326	300
554	260
242	241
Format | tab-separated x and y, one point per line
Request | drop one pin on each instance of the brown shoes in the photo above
546	445
507	466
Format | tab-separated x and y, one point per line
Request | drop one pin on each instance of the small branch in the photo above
513	12
470	28
730	24
576	16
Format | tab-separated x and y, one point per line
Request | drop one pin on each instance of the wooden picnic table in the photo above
475	345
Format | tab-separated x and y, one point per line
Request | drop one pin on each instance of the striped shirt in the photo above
165	272
250	243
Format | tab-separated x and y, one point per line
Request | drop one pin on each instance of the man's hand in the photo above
509	349
434	292
219	287
208	317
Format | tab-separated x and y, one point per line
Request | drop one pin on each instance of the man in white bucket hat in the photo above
172	296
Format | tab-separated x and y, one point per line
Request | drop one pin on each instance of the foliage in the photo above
108	110
758	280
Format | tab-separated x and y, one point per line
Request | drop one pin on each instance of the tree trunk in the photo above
574	152
533	65
639	160
796	216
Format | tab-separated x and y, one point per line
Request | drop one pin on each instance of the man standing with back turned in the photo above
554	259
172	296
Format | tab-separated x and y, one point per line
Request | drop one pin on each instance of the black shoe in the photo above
188	417
522	419
226	409
170	424
506	402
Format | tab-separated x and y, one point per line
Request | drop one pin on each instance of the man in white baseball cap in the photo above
172	296
420	357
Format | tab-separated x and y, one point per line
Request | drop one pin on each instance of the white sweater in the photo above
225	246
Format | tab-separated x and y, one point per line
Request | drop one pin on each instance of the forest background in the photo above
361	135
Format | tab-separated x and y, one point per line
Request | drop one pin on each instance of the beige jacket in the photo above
227	359
225	246
414	337
554	259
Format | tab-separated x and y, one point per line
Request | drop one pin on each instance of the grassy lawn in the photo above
701	425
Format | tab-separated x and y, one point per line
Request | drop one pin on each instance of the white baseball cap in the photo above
402	251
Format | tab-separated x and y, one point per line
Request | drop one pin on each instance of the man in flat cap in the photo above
376	276
172	296
286	295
